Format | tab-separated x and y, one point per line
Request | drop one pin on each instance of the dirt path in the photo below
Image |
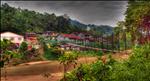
53	77
33	71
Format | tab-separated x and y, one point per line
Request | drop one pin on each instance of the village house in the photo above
13	37
63	37
32	40
83	34
51	34
69	47
79	41
68	38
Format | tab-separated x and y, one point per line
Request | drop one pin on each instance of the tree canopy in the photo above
22	20
136	12
19	21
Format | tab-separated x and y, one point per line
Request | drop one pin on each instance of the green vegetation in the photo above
21	21
7	52
23	50
50	50
136	68
90	53
67	59
12	55
135	13
52	53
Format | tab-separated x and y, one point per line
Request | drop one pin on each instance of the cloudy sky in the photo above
88	12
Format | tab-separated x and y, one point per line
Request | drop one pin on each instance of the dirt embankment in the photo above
34	71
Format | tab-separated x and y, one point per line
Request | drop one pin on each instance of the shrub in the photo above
67	59
136	68
90	53
52	53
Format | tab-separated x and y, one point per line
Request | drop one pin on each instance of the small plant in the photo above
23	49
68	58
7	54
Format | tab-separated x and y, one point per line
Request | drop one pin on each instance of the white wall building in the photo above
14	38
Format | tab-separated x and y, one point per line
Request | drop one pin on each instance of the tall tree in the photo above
135	13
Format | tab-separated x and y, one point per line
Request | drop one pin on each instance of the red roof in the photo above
71	36
90	39
66	35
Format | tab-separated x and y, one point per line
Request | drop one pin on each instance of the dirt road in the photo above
34	71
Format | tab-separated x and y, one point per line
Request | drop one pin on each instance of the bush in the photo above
52	53
136	68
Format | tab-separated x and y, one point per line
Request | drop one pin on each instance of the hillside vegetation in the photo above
19	21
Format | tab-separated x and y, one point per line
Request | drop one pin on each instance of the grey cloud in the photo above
89	12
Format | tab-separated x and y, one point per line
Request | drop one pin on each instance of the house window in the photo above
12	38
19	38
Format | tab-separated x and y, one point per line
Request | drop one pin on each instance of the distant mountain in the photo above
105	29
78	24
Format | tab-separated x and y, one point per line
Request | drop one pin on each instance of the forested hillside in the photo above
19	21
95	29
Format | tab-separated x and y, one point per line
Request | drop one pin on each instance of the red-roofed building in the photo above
32	40
51	34
68	37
